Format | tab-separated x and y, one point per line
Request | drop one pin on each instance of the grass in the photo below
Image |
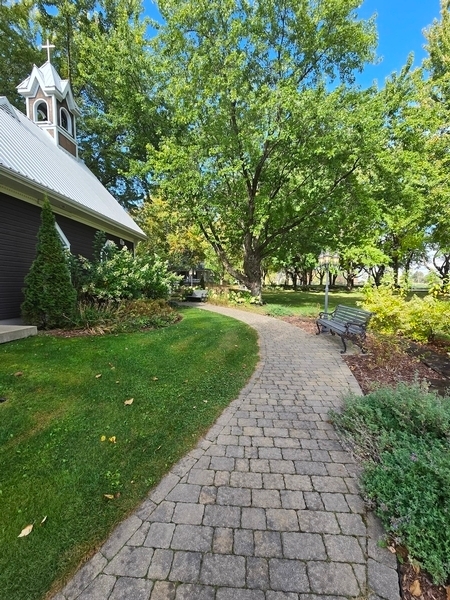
70	394
290	303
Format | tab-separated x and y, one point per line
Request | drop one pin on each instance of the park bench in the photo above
348	323
197	296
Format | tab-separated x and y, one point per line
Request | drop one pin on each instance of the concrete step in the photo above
9	333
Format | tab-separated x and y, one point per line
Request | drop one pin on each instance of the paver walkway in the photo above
265	508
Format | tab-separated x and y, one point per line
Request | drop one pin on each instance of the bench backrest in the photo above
346	314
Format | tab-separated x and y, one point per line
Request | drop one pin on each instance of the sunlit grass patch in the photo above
71	450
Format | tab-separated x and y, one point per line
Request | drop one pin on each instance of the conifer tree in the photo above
49	294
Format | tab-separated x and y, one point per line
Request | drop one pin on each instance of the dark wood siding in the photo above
19	226
81	237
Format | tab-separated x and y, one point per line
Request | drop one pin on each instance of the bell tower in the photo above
51	105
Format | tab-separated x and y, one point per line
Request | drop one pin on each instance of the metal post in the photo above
327	280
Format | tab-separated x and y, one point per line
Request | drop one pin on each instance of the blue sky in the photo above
400	25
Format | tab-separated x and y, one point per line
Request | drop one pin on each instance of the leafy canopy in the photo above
260	139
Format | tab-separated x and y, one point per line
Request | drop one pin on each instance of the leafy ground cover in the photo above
403	436
89	424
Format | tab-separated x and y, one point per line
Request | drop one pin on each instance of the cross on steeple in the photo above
47	47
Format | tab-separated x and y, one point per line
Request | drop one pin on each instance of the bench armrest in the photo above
326	315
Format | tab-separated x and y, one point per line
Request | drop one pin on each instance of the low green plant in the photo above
136	315
403	434
420	319
387	306
125	316
229	296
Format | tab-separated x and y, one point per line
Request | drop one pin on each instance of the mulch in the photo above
389	364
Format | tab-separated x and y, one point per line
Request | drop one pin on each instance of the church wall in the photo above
19	225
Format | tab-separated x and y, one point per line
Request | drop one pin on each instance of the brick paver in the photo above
267	506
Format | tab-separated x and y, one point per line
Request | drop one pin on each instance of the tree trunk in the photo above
252	269
350	281
378	273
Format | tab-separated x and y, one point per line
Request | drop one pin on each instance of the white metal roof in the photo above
28	153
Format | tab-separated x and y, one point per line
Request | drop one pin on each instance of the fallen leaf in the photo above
117	381
128	402
415	588
98	376
18	374
103	438
112	439
155	378
416	568
391	549
108	496
26	531
44	520
402	552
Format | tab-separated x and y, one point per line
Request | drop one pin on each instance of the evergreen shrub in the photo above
49	296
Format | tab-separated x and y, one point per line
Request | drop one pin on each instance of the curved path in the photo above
265	508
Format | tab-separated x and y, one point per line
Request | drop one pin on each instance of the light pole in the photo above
325	260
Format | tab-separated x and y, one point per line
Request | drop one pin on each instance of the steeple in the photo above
50	104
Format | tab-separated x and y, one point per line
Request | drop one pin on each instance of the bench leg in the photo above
322	329
344	344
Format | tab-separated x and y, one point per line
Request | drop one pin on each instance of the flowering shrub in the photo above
119	275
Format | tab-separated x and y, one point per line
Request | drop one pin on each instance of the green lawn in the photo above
288	302
71	392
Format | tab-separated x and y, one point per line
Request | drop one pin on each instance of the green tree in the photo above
170	235
262	139
102	47
18	47
49	294
436	100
